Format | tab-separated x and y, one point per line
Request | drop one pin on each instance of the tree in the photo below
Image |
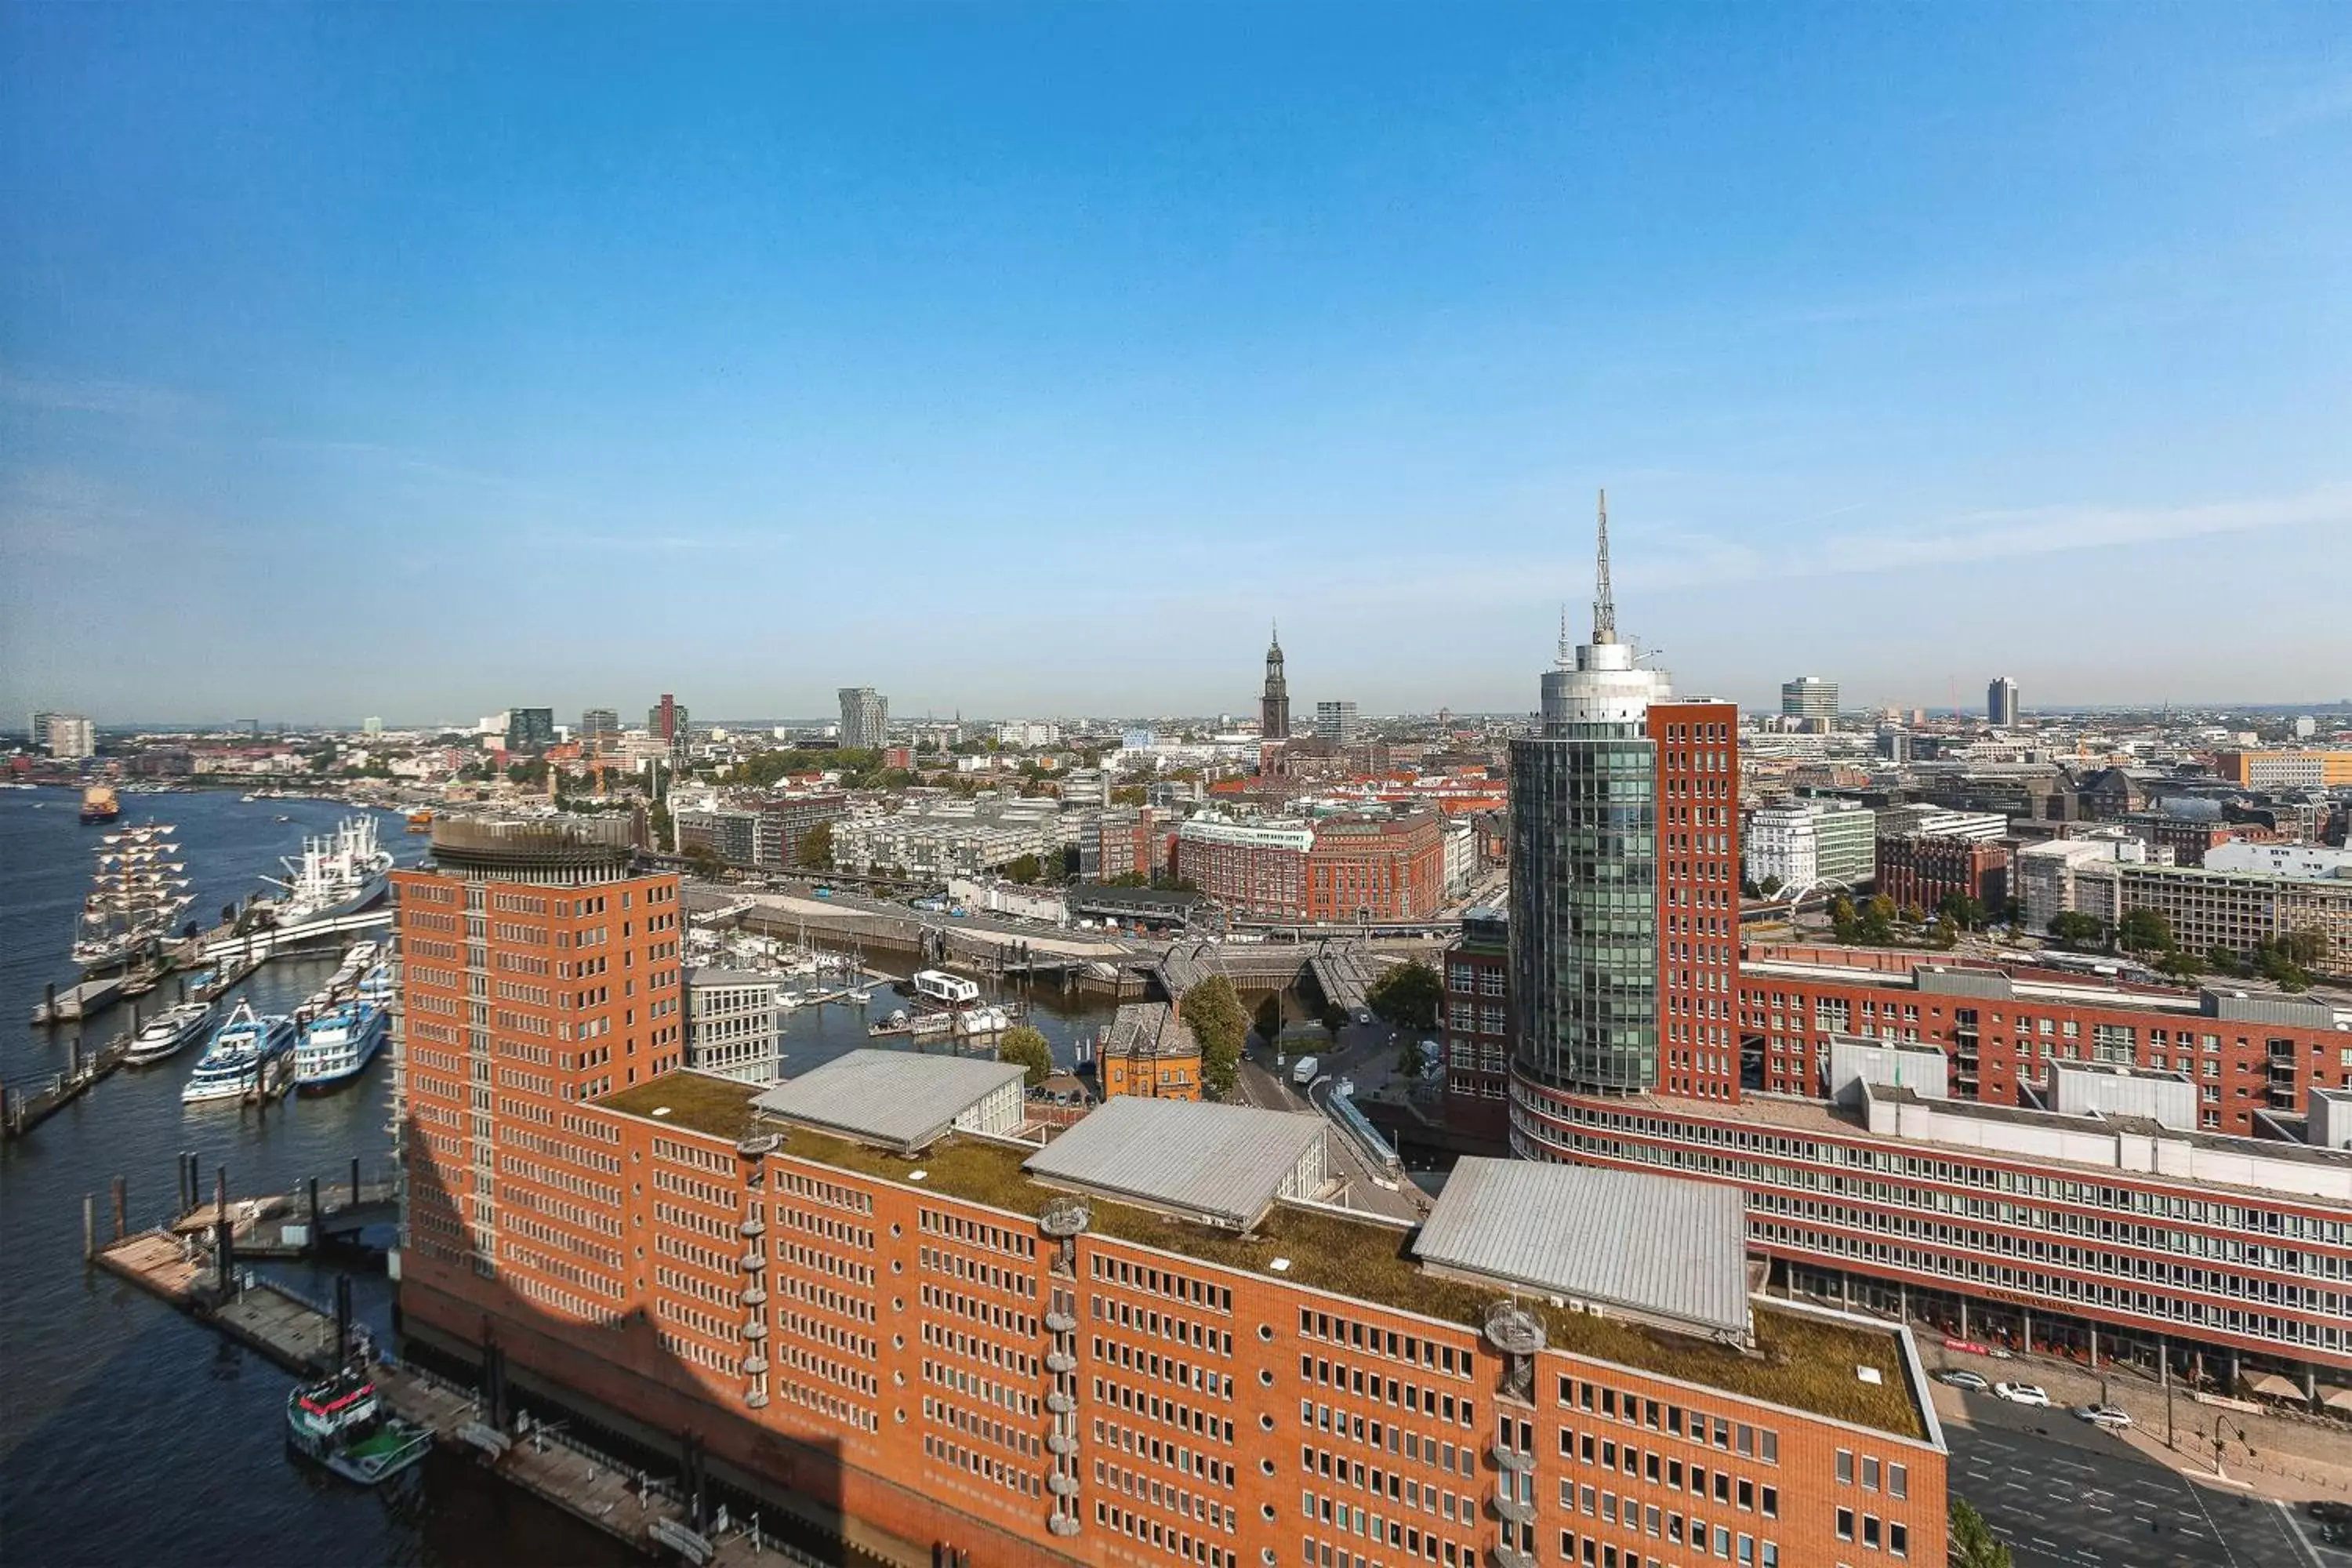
2145	930
1213	1011
703	860
1412	1061
1408	995
1961	911
1972	1542
1026	1045
665	832
1770	886
2179	964
2075	931
1023	869
816	849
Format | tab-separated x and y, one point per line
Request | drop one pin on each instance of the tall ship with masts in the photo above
135	897
338	874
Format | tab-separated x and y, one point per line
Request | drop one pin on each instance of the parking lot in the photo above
2063	1494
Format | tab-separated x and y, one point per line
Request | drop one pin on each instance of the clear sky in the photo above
1032	358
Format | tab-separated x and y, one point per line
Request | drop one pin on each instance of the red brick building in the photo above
1920	870
1475	1028
1386	867
1697	751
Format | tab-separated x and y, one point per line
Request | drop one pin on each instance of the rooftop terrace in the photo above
1800	1361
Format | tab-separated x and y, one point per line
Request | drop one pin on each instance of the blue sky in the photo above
1029	359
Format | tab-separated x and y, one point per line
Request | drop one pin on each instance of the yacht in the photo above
167	1032
339	1043
242	1051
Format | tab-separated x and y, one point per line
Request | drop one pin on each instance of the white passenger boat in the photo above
242	1055
167	1033
339	1043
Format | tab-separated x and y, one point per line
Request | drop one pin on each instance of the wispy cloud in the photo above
670	543
91	394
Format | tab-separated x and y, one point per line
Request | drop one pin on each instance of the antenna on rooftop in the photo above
1604	602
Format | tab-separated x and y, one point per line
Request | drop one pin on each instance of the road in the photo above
2063	1494
1262	1085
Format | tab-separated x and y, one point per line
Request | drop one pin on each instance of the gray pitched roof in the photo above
888	1097
1225	1163
1672	1249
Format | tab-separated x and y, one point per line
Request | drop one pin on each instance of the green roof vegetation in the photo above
1798	1361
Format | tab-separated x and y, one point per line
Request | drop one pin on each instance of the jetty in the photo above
670	1520
75	1003
22	1109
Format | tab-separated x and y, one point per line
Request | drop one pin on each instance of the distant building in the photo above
731	834
1811	700
530	729
1814	843
1122	842
2043	881
2000	704
597	721
2287	770
1148	1051
1334	723
665	721
1273	703
1923	869
68	737
372	725
1254	868
864	718
731	1024
1377	868
2209	907
787	820
2304	861
1941	822
1028	735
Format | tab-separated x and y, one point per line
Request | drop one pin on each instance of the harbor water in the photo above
127	1434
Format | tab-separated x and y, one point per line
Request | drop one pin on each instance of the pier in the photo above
183	1265
23	1110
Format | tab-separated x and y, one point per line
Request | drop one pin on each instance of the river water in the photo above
127	1434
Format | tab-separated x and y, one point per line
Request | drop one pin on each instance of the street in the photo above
2063	1494
1361	1052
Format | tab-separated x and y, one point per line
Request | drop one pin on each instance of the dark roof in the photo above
1166	901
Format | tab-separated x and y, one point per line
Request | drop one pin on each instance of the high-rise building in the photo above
530	729
372	725
2000	702
1625	880
597	721
1334	723
1811	698
66	736
864	718
1274	704
667	721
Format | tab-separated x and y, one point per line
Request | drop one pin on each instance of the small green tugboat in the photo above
340	1422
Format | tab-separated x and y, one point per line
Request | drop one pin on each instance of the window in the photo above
1898	1481
1845	1524
1845	1467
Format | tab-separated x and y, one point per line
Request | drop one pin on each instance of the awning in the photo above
2271	1385
2336	1398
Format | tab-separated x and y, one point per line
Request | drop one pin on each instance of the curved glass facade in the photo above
1584	915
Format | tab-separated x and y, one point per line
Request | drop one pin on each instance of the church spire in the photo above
1604	602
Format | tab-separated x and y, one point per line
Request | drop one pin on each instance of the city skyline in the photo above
800	344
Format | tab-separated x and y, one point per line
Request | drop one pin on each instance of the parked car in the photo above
2109	1415
2022	1394
1961	1377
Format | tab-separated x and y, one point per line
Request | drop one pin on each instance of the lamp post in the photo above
2220	1421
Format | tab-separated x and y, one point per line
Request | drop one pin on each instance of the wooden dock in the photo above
22	1109
299	1335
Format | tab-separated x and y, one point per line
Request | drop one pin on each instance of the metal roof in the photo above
1225	1163
1671	1249
898	1098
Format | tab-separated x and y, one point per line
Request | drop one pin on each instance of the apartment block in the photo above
1475	1026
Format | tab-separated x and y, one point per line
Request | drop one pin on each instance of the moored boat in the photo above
242	1058
339	1044
340	1422
167	1033
338	874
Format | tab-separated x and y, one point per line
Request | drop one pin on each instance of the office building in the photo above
1371	866
1625	878
68	737
2042	877
2236	911
2310	769
1334	723
1811	700
1273	702
1256	870
530	729
871	1292
730	833
1124	842
1920	870
781	839
948	838
665	721
733	1024
372	726
596	721
864	718
2000	704
1822	842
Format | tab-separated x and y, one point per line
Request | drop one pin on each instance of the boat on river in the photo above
245	1057
340	1423
167	1033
